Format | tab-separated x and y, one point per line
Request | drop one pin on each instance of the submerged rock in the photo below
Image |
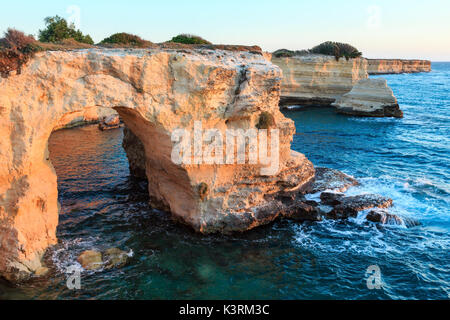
115	258
384	217
330	179
91	260
369	98
350	206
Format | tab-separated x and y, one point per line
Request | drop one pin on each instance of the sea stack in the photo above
369	98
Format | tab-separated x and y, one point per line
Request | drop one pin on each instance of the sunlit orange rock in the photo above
155	91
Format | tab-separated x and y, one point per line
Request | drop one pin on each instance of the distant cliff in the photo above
318	79
393	66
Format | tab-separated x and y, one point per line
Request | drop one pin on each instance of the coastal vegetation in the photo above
189	39
16	49
337	49
58	29
125	39
329	48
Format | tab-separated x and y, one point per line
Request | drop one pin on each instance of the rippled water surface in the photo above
405	159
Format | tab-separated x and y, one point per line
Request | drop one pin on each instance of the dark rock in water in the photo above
350	206
331	198
115	258
109	122
303	212
293	205
384	217
330	179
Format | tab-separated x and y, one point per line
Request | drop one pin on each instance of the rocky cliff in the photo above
318	79
393	66
156	92
82	117
369	98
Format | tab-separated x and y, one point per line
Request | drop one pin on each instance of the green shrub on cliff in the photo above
126	39
57	29
283	53
337	49
189	39
16	49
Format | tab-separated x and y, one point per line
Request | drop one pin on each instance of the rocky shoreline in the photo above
155	92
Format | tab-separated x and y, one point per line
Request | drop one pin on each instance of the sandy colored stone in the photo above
41	271
369	97
318	79
115	258
82	117
155	91
90	260
394	66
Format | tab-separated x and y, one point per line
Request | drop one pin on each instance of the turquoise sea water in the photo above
405	159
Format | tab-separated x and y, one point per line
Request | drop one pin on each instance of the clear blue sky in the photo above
379	28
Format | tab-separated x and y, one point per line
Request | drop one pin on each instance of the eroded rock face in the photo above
369	98
318	79
331	179
394	66
82	117
155	91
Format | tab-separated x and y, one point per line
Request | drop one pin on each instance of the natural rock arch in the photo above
154	91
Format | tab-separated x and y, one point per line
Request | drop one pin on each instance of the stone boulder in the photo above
369	98
115	258
384	217
330	179
91	260
347	207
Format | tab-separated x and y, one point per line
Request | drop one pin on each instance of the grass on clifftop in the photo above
189	39
125	39
329	48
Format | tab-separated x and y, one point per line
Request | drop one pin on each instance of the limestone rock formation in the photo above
82	117
155	91
318	79
369	98
393	66
109	122
330	179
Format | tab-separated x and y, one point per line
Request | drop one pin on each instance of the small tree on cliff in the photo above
337	49
57	29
